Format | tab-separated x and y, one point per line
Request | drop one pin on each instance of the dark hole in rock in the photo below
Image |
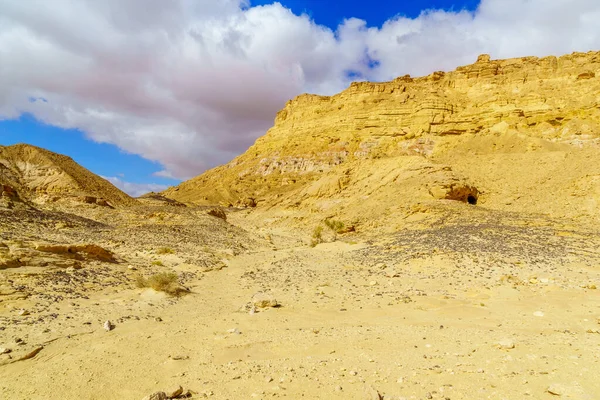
472	200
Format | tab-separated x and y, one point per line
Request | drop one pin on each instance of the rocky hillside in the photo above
516	134
32	174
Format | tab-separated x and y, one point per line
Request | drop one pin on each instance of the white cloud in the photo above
135	189
193	83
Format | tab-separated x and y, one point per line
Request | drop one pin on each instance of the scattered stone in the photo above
156	396
556	389
234	331
538	314
158	319
264	300
23	313
338	388
268	379
217	212
505	344
31	354
175	392
108	326
372	394
4	350
390	273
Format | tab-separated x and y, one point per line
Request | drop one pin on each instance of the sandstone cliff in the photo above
32	174
518	134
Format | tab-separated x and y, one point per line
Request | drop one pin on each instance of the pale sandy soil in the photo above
418	314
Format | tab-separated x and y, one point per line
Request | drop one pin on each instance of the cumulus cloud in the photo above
135	189
193	83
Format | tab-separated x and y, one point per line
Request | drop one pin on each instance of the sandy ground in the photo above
469	311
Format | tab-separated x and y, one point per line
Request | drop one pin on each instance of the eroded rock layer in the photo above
505	133
32	174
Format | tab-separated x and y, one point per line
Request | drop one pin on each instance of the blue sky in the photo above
147	93
375	12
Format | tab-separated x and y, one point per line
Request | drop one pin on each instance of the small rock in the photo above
23	313
4	350
32	353
372	394
268	379
158	319
505	344
538	314
156	396
234	331
174	392
108	326
400	380
429	396
556	389
264	300
132	268
338	389
373	283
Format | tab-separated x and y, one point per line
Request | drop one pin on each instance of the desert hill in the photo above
499	133
37	175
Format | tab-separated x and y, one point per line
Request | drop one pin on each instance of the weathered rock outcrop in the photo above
29	173
323	146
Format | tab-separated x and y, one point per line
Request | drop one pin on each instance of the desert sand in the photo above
450	253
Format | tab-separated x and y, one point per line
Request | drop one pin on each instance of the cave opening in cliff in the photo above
472	199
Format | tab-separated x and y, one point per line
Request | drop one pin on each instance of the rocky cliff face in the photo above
479	133
32	174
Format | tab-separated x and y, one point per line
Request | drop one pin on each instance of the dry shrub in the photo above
166	282
165	250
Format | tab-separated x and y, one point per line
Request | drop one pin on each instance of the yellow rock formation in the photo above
516	134
30	173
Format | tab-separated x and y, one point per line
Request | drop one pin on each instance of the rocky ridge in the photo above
417	140
35	175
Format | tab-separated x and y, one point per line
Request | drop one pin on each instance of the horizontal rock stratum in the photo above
517	133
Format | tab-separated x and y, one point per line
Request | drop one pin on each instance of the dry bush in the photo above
317	236
166	282
165	250
336	226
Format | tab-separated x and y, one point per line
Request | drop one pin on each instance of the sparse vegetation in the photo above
165	250
317	236
166	282
336	226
